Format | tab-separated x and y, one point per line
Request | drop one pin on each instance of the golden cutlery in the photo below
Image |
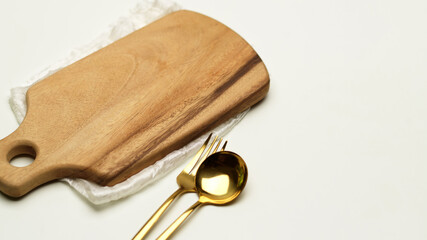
186	183
219	180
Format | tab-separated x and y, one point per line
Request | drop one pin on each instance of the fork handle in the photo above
153	219
171	229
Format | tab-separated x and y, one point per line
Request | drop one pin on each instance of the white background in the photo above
338	149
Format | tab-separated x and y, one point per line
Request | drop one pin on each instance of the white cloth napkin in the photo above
143	13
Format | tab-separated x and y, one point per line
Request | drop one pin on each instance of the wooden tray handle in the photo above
17	181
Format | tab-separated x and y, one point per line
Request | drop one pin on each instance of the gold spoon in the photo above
219	180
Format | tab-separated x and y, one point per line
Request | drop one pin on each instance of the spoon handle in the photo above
171	229
150	223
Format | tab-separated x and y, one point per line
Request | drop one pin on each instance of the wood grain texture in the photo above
119	110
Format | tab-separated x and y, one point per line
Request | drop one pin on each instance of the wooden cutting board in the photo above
122	108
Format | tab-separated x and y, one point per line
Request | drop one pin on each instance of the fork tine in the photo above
217	146
196	158
223	147
209	149
196	166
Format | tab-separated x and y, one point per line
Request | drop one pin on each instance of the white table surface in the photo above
338	149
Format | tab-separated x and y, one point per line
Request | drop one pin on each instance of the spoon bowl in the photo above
221	178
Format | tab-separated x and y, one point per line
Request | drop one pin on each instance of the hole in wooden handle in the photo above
21	156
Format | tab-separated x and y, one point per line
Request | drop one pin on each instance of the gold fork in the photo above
186	183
